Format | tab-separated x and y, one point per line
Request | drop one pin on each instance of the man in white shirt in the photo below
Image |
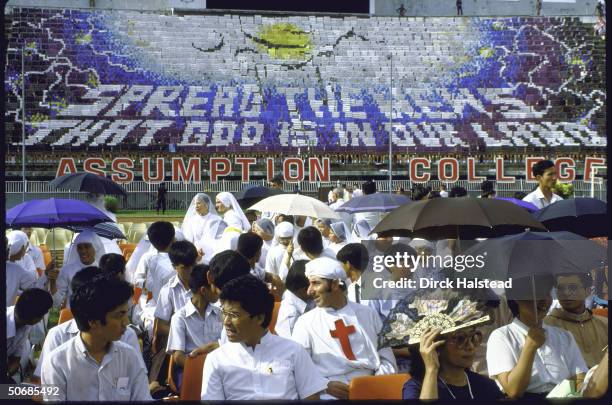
33	304
546	174
528	358
310	242
255	364
94	365
62	333
197	324
295	300
354	259
278	259
340	336
250	245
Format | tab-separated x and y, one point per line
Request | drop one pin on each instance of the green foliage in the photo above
565	190
111	203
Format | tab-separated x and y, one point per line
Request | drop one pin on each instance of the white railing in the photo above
142	196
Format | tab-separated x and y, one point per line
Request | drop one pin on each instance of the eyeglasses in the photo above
460	340
571	288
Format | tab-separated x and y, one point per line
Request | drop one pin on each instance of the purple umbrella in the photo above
527	205
54	212
377	202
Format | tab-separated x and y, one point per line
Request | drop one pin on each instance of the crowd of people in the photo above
210	287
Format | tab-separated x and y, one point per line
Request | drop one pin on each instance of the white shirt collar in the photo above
295	301
540	195
72	327
263	341
190	309
80	346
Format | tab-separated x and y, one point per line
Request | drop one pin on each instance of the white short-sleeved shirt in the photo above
17	281
15	338
277	368
291	308
537	198
172	297
189	330
559	358
63	283
119	377
153	272
60	334
36	255
275	261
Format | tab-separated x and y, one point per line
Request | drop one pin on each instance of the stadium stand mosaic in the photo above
238	83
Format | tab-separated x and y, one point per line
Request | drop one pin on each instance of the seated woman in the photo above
440	368
528	358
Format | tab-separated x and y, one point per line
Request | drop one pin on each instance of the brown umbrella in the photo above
457	218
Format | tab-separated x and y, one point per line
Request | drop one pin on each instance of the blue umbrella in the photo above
584	216
54	212
377	202
527	205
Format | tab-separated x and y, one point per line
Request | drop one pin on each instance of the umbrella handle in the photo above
535	304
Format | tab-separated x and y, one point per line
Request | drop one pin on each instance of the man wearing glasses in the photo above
590	331
255	364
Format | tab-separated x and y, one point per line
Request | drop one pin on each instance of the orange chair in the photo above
378	386
65	315
127	249
272	324
191	388
46	254
600	312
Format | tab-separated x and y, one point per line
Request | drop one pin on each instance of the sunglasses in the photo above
460	340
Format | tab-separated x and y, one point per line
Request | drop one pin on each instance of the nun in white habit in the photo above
85	251
277	255
339	236
200	224
265	229
228	206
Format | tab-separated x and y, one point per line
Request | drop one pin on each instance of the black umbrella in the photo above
251	195
457	218
107	230
87	182
584	216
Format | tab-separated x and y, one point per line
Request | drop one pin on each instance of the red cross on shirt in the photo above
342	333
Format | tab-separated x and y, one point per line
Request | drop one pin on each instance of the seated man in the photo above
280	255
32	305
341	336
529	358
62	333
310	242
255	364
295	300
589	331
197	323
354	259
94	365
250	245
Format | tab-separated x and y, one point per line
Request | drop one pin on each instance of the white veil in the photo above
196	226
229	200
87	236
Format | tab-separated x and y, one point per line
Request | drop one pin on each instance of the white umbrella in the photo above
295	204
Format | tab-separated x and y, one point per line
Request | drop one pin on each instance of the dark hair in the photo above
585	278
161	234
296	277
94	300
84	276
252	294
522	290
420	192
183	252
249	244
198	278
417	366
457	191
539	168
486	186
354	253
519	195
287	218
33	304
433	194
369	187
278	179
112	263
226	266
310	240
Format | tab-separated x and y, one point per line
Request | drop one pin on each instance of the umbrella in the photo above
54	212
535	253
452	218
87	182
377	202
106	230
527	205
295	204
585	216
253	194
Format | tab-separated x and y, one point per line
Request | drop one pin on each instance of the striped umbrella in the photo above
108	230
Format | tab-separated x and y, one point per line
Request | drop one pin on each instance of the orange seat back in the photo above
378	386
600	312
191	388
272	324
127	249
65	315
